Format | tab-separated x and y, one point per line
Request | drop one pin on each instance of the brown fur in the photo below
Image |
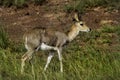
51	39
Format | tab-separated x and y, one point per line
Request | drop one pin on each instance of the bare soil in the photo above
51	14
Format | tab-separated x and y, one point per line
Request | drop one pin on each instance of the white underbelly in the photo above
43	46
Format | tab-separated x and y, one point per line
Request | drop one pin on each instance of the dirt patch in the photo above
97	18
17	21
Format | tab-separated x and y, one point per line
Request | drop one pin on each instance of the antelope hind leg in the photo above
51	54
26	56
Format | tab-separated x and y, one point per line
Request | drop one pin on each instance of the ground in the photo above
52	14
91	56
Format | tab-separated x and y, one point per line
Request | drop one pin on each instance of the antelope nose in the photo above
89	29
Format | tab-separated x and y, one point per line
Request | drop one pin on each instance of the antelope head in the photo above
77	27
80	24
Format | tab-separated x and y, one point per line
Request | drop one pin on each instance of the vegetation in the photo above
81	5
19	3
4	42
92	56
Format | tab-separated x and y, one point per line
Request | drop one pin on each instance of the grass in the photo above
19	3
82	5
8	3
92	56
4	41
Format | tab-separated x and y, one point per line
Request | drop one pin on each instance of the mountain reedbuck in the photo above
51	40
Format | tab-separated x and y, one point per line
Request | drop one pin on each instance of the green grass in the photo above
8	3
19	3
91	56
82	5
4	41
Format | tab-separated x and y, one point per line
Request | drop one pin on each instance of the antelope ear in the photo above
79	17
74	19
76	16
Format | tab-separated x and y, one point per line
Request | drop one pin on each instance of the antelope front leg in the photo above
51	54
60	59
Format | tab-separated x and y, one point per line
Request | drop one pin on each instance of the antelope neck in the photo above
74	31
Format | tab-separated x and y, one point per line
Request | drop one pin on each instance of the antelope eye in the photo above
81	24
